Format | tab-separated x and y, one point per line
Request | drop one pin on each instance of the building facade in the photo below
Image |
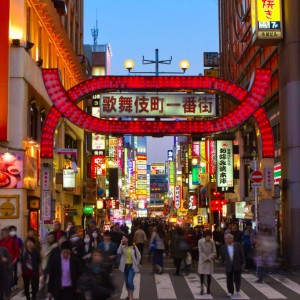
246	45
37	34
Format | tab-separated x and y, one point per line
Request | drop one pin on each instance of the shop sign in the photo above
193	202
45	179
196	171
88	210
111	204
98	141
69	181
157	105
171	172
211	72
225	166
266	21
211	156
240	209
170	155
177	196
46	206
268	178
98	166
11	170
157	169
211	59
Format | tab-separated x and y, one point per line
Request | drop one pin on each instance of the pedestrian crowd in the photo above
78	266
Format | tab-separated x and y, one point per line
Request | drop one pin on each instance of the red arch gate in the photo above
64	104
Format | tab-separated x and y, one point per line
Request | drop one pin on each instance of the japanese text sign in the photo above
266	20
224	165
157	105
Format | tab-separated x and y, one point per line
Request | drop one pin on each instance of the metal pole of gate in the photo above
253	166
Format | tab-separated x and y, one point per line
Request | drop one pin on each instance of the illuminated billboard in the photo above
266	22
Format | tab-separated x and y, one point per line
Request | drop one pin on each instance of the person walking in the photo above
4	273
58	231
266	250
232	255
237	234
18	240
207	255
248	242
86	250
31	268
218	239
63	274
45	254
13	249
108	250
129	263
140	240
158	237
95	283
179	248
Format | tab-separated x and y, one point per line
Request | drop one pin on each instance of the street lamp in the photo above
183	64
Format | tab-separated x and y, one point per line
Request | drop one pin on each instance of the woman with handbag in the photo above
129	263
207	255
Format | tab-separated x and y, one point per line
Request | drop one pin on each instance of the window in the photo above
28	24
39	43
276	133
33	120
43	118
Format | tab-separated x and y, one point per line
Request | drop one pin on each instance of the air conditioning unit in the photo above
61	7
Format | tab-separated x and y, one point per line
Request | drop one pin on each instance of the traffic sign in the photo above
256	184
256	176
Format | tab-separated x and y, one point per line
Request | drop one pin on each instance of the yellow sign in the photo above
211	72
266	21
268	11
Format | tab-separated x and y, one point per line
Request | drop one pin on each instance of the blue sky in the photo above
183	29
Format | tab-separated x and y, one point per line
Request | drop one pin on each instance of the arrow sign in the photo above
256	176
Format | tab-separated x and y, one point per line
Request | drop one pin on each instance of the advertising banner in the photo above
11	170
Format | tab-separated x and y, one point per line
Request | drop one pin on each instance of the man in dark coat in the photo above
63	274
232	255
4	273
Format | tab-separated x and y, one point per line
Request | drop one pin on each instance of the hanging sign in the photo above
225	166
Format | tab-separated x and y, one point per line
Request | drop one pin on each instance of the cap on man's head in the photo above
66	245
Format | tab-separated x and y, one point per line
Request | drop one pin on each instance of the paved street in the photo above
149	286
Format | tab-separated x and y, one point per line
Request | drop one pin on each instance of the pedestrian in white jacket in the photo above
129	263
207	255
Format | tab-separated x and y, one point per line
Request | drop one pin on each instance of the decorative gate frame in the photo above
64	104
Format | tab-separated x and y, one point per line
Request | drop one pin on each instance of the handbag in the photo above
188	259
153	245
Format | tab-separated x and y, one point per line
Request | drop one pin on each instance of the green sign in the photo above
88	210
